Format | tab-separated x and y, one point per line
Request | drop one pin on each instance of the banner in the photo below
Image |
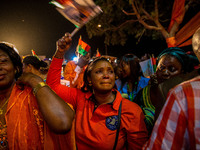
78	12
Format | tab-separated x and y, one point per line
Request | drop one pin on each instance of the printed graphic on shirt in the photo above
112	122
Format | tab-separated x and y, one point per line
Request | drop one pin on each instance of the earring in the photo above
90	83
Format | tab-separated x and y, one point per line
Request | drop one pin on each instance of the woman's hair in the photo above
86	87
188	62
38	64
135	68
14	57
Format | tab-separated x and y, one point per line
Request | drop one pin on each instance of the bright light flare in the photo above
75	59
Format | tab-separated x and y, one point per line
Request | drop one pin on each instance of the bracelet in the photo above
38	86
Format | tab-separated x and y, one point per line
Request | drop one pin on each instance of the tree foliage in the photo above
121	18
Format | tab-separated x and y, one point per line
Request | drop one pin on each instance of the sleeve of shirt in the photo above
53	80
170	127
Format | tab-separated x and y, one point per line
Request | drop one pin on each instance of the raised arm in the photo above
54	74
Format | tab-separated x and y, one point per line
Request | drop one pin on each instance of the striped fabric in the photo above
178	125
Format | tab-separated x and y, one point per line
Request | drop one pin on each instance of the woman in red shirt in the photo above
98	106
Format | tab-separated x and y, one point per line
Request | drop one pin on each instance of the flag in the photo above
79	12
153	61
83	48
34	54
98	54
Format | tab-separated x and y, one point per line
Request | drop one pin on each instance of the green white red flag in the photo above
34	54
83	48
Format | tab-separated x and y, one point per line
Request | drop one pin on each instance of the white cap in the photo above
11	45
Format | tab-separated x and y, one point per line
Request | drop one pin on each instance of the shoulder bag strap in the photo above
118	127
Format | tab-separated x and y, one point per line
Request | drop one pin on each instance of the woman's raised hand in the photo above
63	45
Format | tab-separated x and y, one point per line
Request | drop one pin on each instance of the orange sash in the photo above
26	128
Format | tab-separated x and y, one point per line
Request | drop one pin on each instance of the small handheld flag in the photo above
98	54
34	54
153	61
83	48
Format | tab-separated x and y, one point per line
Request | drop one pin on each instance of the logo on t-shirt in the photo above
112	122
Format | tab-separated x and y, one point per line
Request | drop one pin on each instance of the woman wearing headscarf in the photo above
174	56
170	63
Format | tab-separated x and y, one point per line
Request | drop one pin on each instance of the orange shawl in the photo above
26	128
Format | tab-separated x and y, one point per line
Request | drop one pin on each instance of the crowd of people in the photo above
107	105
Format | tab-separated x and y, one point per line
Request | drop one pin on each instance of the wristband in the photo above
38	86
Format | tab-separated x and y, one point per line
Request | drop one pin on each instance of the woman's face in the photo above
7	70
168	66
126	70
102	76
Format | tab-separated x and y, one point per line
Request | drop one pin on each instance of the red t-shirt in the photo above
96	128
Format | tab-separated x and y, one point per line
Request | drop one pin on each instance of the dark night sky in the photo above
32	24
36	24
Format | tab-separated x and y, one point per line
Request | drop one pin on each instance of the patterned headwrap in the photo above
188	61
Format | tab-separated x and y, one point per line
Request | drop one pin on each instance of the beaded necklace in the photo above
3	129
3	136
